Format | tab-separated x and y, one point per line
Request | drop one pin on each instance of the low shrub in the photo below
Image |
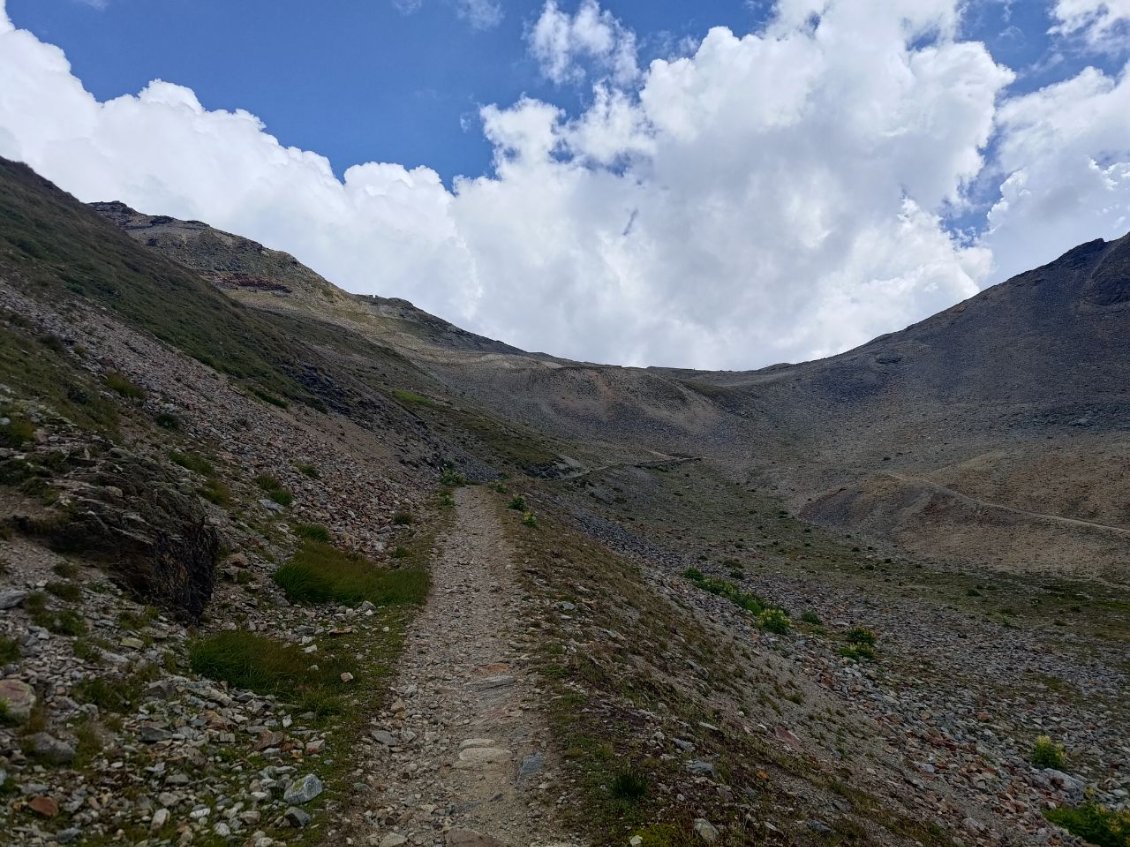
861	636
167	420
773	620
750	602
629	786
320	573
274	489
530	519
215	491
312	532
402	519
517	503
17	432
1047	754
124	386
64	591
9	650
193	462
308	470
811	618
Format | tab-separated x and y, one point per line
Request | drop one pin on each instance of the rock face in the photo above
130	514
18	699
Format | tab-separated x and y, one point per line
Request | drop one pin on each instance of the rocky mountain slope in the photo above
283	565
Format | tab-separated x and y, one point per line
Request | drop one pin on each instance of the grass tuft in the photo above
1047	754
123	385
320	573
312	532
266	666
274	489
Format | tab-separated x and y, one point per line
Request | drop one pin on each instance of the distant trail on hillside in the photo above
986	504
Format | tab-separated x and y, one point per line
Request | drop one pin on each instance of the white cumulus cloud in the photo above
773	196
564	43
1103	24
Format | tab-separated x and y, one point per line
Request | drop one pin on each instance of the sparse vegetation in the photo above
773	620
268	666
1048	754
312	532
16	432
123	385
517	503
1094	823
274	489
402	519
320	573
215	491
529	519
750	602
167	420
629	786
68	591
193	462
308	470
811	618
9	650
452	478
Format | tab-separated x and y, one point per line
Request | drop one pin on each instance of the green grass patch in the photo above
9	650
1047	754
308	470
119	694
193	462
749	602
68	591
123	385
16	432
321	573
1093	823
411	398
274	489
215	491
312	532
267	666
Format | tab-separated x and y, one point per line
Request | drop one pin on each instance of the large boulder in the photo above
132	515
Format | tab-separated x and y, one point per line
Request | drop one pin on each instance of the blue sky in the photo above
356	81
362	81
719	184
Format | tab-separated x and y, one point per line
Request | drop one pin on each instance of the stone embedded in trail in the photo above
531	766
45	807
303	790
474	756
476	742
492	682
470	838
18	698
705	830
393	839
50	749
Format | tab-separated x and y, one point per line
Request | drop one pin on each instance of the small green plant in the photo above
530	519
773	620
812	618
517	503
320	573
452	477
167	420
16	432
403	519
861	636
274	489
1094	823
64	591
192	462
312	532
67	570
9	650
1047	754
629	786
214	491
858	652
750	602
308	470
123	385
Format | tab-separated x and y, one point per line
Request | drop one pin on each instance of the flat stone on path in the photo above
474	756
470	838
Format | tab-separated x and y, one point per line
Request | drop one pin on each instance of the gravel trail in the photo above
463	749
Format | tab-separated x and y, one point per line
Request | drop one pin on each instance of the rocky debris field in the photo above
954	700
